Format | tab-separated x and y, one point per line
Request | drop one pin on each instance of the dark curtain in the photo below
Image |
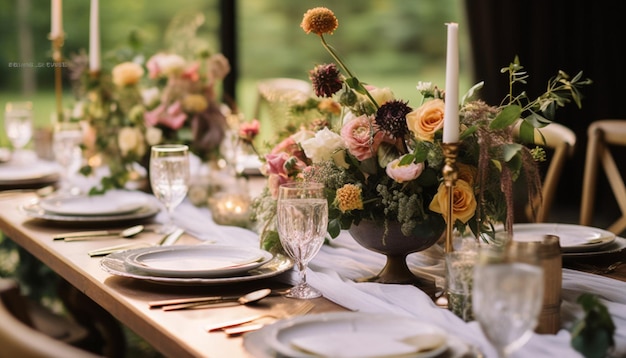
552	35
228	40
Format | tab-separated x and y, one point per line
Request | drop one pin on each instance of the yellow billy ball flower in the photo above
349	198
319	20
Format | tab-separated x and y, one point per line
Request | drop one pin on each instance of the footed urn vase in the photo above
396	246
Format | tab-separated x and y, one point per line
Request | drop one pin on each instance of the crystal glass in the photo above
18	124
66	146
169	178
302	226
506	299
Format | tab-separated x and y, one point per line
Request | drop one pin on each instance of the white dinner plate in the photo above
572	238
197	260
618	245
113	202
34	172
115	264
353	334
34	210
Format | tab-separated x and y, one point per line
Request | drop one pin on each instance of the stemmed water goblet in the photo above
169	178
18	124
66	145
302	221
507	297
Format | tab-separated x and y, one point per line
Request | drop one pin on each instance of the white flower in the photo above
323	146
153	135
130	139
382	95
150	96
164	65
424	86
79	110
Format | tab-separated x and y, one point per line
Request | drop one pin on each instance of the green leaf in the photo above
470	93
527	132
334	227
510	151
506	117
592	335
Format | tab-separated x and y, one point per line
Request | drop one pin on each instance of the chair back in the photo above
18	338
562	141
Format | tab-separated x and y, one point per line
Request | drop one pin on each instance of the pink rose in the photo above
248	131
403	173
362	137
171	116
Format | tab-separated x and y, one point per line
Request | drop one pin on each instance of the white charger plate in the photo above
197	260
356	328
572	238
114	264
113	202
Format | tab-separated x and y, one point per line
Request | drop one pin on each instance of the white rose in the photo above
171	64
301	136
153	135
322	147
130	139
150	96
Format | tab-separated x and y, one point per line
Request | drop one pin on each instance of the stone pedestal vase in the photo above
396	246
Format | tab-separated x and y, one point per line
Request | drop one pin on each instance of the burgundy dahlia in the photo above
391	117
326	80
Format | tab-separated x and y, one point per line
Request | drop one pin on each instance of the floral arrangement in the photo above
382	160
167	99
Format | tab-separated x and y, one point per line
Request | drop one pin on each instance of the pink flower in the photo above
171	116
248	131
281	168
403	173
362	137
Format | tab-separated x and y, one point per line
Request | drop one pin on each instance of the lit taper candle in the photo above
451	114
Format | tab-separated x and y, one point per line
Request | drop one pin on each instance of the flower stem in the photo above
348	72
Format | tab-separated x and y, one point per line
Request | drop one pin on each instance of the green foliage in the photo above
592	335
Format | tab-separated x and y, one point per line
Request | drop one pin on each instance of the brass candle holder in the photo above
57	57
450	176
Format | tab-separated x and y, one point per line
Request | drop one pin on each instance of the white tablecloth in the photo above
339	263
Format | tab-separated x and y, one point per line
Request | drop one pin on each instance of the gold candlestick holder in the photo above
57	57
450	176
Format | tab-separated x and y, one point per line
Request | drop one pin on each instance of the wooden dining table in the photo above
174	333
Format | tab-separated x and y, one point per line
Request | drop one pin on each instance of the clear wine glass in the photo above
506	300
169	178
66	145
18	124
302	214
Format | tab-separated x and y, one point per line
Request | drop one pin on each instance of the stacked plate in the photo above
353	334
196	264
113	206
575	240
35	172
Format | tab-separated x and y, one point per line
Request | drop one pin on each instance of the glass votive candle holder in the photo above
231	209
459	280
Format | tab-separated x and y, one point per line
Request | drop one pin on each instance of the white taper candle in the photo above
451	115
94	37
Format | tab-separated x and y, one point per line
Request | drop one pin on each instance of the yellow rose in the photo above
426	120
195	103
463	205
127	73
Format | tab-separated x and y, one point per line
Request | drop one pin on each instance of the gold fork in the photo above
242	325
